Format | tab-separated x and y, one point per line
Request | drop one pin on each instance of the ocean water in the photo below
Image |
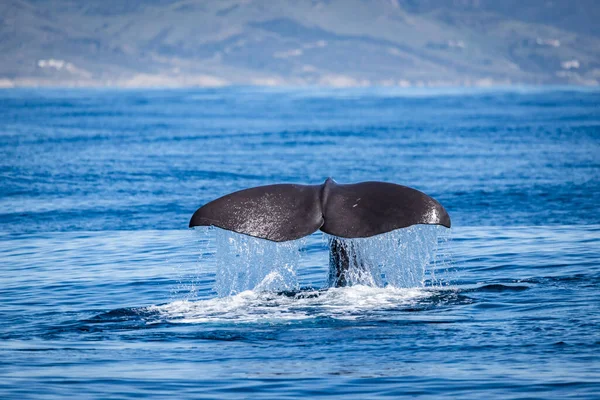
105	292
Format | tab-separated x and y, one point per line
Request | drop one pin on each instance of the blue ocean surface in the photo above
105	292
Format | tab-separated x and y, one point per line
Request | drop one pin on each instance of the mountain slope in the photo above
332	43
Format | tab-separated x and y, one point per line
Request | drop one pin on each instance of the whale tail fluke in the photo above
287	211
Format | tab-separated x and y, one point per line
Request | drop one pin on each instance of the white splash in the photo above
348	303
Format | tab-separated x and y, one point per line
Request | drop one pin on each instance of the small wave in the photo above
120	315
575	278
497	287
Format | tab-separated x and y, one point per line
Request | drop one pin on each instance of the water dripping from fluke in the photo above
404	258
248	263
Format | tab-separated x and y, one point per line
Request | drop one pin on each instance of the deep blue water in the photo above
106	293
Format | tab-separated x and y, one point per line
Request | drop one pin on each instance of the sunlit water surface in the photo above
106	293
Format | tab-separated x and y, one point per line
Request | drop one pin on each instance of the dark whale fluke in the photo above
287	211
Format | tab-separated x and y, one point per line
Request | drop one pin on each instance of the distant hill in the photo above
275	42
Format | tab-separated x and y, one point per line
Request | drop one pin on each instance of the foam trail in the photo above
348	303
